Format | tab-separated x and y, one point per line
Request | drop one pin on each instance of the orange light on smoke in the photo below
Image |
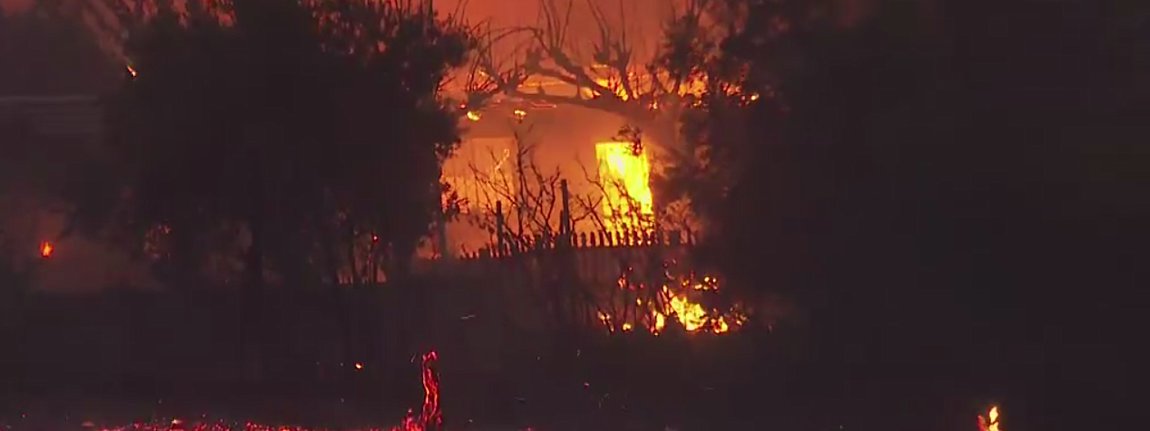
626	179
46	249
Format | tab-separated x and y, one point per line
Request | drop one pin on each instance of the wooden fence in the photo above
583	241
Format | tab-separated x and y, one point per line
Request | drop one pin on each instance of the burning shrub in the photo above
688	300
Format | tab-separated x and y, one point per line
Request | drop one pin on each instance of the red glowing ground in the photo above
428	419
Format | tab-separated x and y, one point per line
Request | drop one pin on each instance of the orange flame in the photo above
990	421
430	414
626	180
46	249
430	417
674	302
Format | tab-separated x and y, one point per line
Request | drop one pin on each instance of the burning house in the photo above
573	93
516	157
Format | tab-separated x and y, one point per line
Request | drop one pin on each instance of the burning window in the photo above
625	175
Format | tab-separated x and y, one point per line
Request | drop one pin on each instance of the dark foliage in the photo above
945	188
304	125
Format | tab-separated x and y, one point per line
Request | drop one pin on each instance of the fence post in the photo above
498	228
565	216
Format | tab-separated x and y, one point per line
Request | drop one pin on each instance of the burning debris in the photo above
46	249
680	300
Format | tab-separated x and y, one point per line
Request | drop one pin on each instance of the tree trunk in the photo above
400	257
252	304
330	256
353	270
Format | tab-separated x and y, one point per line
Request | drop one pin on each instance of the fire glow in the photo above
46	249
429	418
626	178
990	421
673	302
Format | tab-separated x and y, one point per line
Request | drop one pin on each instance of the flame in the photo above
430	415
132	71
613	85
625	177
695	85
46	249
674	302
520	114
473	115
990	421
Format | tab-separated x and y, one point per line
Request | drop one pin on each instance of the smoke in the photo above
15	6
31	214
642	20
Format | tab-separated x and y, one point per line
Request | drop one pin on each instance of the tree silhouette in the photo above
921	175
304	125
609	75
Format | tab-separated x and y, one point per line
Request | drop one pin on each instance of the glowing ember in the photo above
520	114
132	71
46	249
473	116
990	421
674	301
626	179
430	417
